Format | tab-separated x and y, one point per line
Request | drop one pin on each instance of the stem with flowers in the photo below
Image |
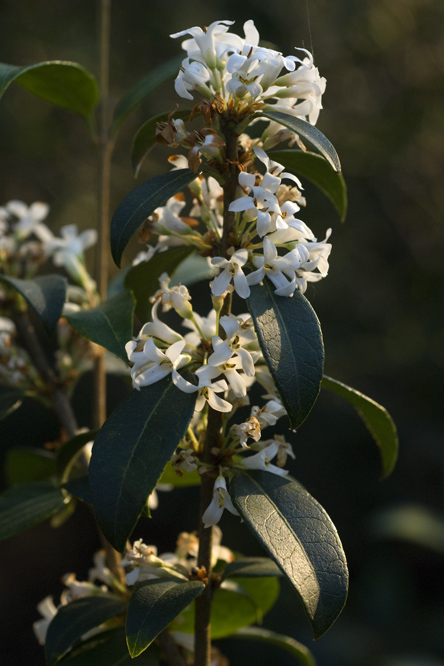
192	418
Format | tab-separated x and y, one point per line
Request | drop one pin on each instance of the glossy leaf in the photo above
300	537
140	203
290	337
68	452
317	170
23	465
143	88
27	505
109	325
64	84
75	619
251	567
143	279
108	648
10	400
309	132
154	604
286	643
131	451
145	137
376	418
237	603
45	295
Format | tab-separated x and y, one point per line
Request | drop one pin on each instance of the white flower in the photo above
270	413
207	325
184	461
151	365
221	500
166	218
207	390
232	270
277	268
204	40
250	428
262	460
48	610
192	76
177	297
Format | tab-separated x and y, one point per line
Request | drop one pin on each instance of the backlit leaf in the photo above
307	131
376	418
251	567
64	84
300	537
318	171
23	465
108	648
286	643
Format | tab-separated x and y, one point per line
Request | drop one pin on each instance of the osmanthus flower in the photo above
25	220
280	270
166	219
313	256
177	297
152	364
207	389
262	460
141	562
208	45
200	327
221	500
232	271
250	428
269	414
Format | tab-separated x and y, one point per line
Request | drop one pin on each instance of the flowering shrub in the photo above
189	419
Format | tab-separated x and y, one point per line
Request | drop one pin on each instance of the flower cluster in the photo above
222	64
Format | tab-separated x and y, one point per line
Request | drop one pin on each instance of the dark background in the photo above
380	308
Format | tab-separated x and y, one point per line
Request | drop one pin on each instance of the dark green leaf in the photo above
237	603
154	604
27	505
131	451
26	464
143	88
376	418
143	279
295	648
110	649
10	400
140	203
290	337
300	537
64	84
251	567
145	137
46	296
109	325
315	168
75	619
68	452
79	487
309	132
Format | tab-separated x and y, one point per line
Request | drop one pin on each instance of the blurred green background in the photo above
381	307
